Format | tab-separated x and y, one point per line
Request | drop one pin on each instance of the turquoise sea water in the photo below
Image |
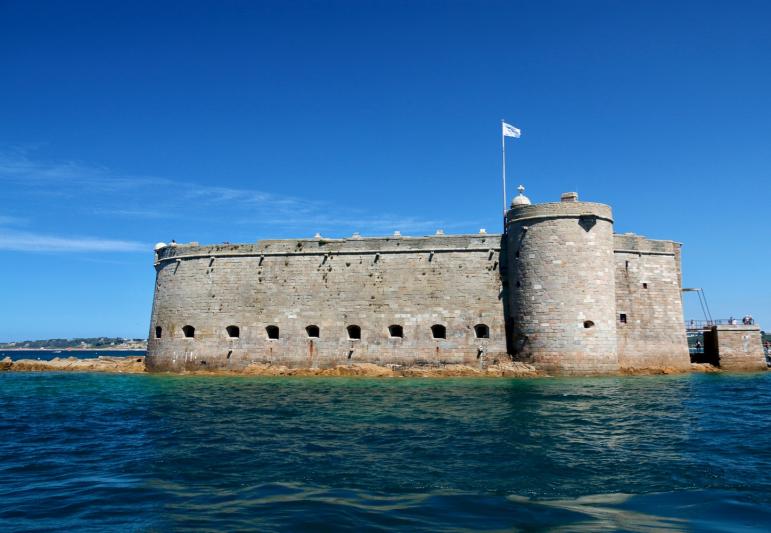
47	355
141	452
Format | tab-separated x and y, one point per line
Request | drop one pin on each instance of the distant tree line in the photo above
88	342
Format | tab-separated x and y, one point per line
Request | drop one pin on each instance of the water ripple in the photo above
102	452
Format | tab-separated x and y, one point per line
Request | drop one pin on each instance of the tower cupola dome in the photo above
520	199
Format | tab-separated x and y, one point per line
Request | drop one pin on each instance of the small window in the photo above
645	285
622	318
482	331
312	331
354	332
396	331
588	324
158	332
188	331
272	332
438	331
233	332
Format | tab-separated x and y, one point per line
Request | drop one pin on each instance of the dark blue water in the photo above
140	452
47	355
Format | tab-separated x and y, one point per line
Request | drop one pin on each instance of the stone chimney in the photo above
569	197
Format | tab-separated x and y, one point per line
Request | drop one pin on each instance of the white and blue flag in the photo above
510	131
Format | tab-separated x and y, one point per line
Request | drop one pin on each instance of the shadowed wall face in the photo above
650	328
561	280
408	301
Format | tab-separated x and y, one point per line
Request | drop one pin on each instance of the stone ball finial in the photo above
520	199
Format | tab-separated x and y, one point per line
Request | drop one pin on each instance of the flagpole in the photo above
503	166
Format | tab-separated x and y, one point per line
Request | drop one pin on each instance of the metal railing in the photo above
698	325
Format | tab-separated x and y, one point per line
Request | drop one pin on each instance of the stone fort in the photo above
558	290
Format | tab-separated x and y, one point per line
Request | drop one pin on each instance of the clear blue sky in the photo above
127	123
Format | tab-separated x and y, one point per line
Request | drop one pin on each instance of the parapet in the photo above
637	244
571	209
357	245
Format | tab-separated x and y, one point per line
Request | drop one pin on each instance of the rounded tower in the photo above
561	285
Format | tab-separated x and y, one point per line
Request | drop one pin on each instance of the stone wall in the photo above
735	347
373	283
561	292
560	276
650	328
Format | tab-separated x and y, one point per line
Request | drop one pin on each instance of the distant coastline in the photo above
77	344
127	348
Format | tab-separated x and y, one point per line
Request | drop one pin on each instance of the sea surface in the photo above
100	452
47	355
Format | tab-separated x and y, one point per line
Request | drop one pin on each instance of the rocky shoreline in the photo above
103	363
136	365
372	370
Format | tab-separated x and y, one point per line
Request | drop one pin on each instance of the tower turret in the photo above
561	285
